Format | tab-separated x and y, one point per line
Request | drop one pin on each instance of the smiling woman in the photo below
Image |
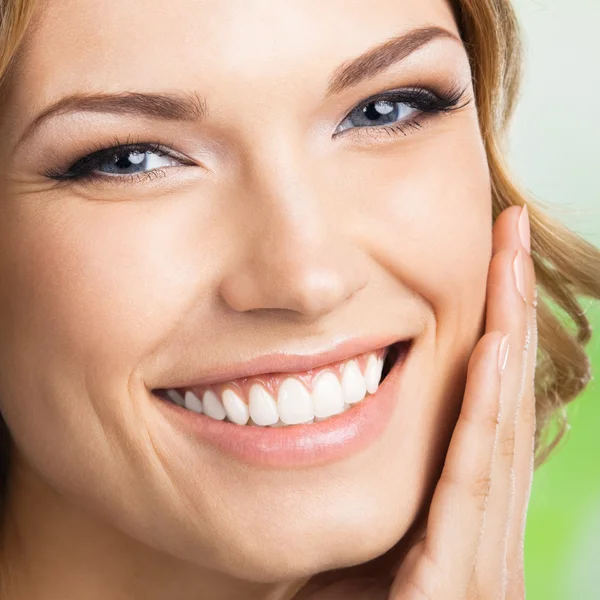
269	315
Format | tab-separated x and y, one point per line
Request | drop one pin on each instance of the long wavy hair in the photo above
567	266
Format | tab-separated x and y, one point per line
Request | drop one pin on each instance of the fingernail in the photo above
525	229
519	271
503	354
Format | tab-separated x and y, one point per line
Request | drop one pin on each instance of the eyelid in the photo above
441	101
138	147
99	151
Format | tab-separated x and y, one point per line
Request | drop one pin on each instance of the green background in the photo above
555	153
562	541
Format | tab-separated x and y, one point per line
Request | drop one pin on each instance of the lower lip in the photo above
296	446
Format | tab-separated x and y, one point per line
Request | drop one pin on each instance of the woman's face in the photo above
271	215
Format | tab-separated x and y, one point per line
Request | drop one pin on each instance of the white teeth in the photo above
192	402
327	395
176	397
373	373
236	409
263	409
212	406
294	403
353	383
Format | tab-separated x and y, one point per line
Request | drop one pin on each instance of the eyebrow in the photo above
381	57
193	107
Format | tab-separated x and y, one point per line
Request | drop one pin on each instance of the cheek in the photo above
89	288
429	222
429	226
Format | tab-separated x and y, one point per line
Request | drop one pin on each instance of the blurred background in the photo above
555	153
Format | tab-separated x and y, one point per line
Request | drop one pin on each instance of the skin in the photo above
472	543
279	238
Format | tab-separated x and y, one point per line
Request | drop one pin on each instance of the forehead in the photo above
237	46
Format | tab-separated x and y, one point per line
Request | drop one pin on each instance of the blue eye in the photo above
122	161
127	162
381	112
399	110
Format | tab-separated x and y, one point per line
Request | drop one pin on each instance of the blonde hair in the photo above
567	266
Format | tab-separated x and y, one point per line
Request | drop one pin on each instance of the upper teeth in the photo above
334	390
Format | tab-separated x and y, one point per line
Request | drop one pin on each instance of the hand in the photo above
474	541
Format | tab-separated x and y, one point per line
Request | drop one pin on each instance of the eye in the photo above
122	162
375	113
400	110
126	162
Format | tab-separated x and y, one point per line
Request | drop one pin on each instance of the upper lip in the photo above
288	362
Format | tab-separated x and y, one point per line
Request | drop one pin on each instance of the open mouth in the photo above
284	399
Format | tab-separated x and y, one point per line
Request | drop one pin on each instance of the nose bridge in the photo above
294	254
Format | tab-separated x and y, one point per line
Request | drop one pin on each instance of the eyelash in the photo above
425	101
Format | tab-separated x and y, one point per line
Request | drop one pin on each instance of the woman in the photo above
259	337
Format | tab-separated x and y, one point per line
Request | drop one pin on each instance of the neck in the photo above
51	547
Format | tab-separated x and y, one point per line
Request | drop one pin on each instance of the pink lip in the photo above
282	362
297	445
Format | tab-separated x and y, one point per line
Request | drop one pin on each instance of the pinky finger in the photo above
458	506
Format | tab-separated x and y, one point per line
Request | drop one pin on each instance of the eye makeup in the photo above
388	114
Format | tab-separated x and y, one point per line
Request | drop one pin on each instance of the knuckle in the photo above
480	490
507	446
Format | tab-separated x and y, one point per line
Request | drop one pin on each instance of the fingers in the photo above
506	311
458	505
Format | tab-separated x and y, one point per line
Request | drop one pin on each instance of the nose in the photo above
295	255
